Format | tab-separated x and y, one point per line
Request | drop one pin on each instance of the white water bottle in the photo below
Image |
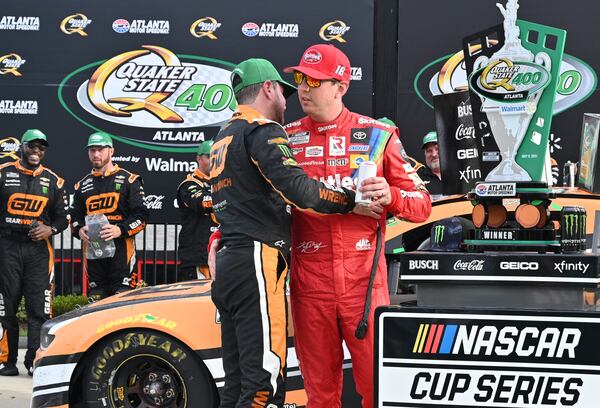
366	170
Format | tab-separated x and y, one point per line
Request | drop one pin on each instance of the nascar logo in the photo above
488	340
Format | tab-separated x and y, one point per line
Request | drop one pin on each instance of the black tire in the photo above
145	369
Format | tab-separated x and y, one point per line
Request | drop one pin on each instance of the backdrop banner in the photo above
155	76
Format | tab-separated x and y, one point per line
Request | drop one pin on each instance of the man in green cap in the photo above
431	173
119	195
195	207
33	207
255	181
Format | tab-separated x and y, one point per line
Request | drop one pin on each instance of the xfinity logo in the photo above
430	264
466	154
571	266
474	265
469	174
519	266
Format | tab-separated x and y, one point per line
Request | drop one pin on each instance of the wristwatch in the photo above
54	230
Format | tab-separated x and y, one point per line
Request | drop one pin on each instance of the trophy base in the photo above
508	171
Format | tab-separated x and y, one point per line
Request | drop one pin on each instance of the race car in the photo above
160	346
156	346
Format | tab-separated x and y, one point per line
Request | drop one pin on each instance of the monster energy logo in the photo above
438	235
287	152
573	222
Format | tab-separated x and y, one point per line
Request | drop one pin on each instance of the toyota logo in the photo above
359	135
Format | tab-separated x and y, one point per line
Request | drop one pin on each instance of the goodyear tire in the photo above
145	369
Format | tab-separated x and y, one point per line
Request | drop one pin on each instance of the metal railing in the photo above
156	259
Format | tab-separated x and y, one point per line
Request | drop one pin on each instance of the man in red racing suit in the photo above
332	255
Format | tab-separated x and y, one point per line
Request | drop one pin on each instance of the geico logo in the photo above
431	264
515	266
102	203
26	204
134	340
466	153
551	342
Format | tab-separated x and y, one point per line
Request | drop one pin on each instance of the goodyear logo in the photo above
473	340
26	205
205	27
75	23
153	88
576	82
334	31
102	203
10	64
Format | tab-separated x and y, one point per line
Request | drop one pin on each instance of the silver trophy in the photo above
510	107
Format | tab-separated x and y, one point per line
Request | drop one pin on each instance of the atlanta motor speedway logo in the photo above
153	88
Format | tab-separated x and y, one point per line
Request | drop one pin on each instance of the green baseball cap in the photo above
387	121
34	134
204	147
256	71
430	137
99	139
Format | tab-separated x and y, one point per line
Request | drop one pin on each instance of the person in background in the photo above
332	255
195	206
431	173
119	194
33	208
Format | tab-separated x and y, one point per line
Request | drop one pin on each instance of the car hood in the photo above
198	288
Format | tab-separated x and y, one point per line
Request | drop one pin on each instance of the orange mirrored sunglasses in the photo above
310	81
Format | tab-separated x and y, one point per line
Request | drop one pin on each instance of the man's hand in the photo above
212	258
110	231
42	231
377	189
83	234
373	210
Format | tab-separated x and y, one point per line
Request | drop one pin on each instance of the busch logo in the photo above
474	265
429	264
438	234
154	202
464	110
102	203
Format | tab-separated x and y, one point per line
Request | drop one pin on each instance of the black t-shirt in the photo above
432	182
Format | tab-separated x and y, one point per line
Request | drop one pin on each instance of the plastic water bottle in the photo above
98	247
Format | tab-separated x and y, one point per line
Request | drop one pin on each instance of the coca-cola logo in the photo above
154	202
474	265
465	132
312	56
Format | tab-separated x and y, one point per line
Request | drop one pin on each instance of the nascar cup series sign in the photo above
473	359
153	88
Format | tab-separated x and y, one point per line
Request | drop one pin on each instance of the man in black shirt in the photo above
119	195
195	207
431	172
33	207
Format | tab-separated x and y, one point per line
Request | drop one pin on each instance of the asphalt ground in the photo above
15	392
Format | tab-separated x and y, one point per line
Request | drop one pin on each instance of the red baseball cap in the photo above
323	61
